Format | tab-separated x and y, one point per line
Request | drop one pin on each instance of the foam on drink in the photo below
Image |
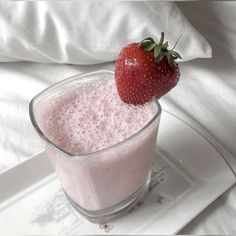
93	117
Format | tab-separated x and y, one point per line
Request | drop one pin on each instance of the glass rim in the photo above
66	153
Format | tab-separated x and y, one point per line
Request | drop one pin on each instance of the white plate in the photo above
188	174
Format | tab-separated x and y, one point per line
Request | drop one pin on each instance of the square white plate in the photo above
188	174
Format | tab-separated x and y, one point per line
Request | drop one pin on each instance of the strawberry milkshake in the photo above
101	148
100	128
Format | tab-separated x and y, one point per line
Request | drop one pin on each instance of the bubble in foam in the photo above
92	118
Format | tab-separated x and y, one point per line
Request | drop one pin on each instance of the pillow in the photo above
90	32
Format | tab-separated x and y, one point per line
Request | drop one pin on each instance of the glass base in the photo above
116	211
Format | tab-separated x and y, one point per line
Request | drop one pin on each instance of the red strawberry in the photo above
145	70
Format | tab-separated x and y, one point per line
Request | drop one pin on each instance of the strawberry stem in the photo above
161	50
162	39
176	42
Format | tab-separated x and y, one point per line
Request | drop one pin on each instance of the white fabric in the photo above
206	93
89	32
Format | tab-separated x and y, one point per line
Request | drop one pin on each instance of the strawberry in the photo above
146	69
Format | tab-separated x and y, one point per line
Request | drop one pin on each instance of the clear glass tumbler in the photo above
105	184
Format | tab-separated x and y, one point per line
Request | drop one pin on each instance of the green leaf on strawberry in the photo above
161	50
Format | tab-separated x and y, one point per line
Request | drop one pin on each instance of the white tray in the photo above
188	174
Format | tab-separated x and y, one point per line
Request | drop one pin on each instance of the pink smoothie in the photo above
87	123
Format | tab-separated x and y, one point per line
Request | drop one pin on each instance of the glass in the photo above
105	184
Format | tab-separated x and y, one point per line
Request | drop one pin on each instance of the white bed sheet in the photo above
206	93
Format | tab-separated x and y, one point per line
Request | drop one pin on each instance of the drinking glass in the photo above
104	184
